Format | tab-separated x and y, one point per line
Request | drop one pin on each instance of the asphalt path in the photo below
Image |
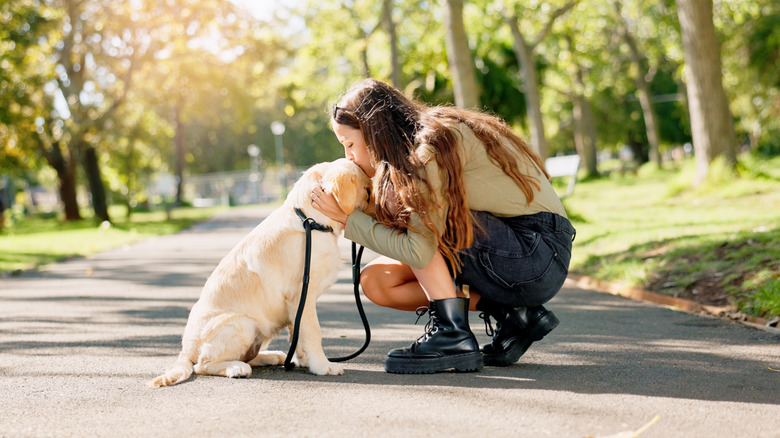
80	339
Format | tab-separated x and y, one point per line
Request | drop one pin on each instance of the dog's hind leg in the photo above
266	358
263	357
226	339
231	368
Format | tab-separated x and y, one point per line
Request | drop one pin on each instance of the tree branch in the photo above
555	15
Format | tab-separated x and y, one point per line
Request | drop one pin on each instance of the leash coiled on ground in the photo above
310	224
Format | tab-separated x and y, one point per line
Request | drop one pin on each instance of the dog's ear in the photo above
345	191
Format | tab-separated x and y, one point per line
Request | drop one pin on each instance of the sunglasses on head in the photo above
336	110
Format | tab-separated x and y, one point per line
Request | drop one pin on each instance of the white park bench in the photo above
567	165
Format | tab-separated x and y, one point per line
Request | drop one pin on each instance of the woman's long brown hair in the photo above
394	127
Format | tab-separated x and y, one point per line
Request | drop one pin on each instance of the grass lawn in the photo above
718	245
35	241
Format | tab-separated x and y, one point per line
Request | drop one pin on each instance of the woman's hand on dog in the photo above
326	204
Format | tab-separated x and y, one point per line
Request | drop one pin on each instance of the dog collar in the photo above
311	222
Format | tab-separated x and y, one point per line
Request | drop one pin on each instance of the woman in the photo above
464	212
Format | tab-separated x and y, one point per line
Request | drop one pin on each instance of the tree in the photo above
584	124
26	108
95	42
109	54
750	33
459	56
643	77
712	125
137	146
524	48
392	36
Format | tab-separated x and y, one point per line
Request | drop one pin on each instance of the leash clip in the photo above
311	223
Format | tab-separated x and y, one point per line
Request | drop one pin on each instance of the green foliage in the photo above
750	38
24	29
764	43
501	92
722	178
765	301
717	245
672	114
648	170
720	173
759	167
683	180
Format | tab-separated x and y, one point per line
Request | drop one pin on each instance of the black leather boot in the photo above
447	342
516	330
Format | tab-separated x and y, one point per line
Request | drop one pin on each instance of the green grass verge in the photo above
717	244
35	241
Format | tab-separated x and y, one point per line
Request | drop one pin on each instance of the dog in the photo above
255	290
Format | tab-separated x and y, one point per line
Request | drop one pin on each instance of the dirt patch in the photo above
706	290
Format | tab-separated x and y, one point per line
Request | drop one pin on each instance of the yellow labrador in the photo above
255	290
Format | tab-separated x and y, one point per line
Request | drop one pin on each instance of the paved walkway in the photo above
79	340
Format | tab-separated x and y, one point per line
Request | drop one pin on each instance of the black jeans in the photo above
520	261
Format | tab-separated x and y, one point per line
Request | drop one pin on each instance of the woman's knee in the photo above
390	285
374	283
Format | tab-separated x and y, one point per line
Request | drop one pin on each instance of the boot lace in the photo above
431	327
488	326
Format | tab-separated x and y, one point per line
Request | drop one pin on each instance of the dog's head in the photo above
341	178
348	184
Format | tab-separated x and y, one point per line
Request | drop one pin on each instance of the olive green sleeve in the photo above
406	246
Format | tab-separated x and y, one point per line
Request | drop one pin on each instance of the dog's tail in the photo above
178	372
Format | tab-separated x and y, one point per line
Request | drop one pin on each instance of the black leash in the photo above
308	225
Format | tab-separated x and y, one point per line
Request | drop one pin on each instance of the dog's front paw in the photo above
326	369
299	358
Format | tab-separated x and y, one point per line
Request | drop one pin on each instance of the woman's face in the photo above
355	149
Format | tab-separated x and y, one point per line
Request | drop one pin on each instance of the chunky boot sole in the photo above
460	362
543	326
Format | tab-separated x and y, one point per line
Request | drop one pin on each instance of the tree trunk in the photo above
464	79
66	172
395	62
651	124
712	126
524	54
96	186
589	133
361	38
179	139
585	135
639	150
364	59
643	89
579	140
131	174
